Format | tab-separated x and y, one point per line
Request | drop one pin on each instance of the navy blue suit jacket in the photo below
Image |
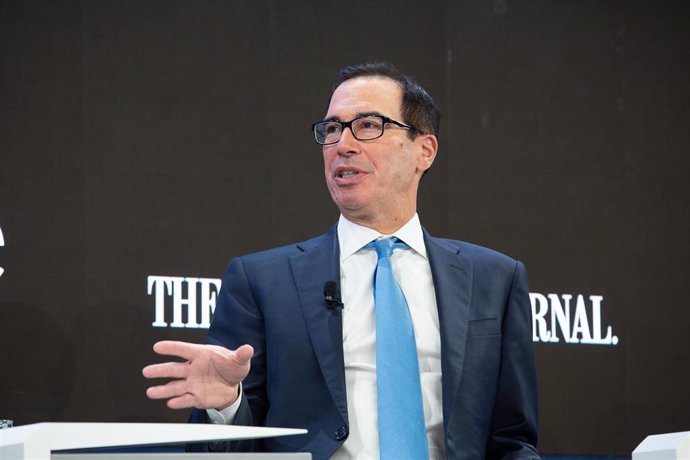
274	301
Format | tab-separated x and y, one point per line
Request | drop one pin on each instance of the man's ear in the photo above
428	144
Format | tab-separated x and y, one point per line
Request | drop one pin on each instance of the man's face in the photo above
374	183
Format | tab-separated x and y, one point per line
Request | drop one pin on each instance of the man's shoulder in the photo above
479	255
487	265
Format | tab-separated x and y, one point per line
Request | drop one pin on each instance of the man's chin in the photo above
349	200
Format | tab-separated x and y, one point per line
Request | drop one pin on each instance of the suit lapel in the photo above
318	263
453	284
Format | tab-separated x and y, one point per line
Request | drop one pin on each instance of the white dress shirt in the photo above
412	271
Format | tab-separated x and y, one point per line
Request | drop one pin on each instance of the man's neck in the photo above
386	226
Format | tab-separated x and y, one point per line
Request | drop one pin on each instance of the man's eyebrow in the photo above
370	114
359	115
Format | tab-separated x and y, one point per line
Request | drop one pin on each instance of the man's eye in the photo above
332	128
370	124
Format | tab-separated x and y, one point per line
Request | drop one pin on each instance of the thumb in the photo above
243	354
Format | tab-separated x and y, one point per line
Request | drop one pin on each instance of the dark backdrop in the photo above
162	138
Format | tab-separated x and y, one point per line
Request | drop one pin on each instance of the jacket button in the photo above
341	433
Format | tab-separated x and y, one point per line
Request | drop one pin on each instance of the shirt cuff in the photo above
227	415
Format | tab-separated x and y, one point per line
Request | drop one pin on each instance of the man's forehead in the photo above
368	94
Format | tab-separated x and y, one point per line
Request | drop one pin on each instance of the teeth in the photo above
346	174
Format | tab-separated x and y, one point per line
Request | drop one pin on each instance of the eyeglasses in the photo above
364	128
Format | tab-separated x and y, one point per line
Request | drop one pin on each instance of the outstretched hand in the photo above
208	379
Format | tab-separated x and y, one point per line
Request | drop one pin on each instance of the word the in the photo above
189	295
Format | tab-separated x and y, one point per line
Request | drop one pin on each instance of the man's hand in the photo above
209	379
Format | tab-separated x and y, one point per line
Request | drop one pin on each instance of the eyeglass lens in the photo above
364	128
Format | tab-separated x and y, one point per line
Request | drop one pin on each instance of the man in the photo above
314	365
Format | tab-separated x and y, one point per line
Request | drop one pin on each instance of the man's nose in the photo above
347	144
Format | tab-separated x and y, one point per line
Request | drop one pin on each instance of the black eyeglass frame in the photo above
348	124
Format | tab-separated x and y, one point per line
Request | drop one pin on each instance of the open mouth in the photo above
347	173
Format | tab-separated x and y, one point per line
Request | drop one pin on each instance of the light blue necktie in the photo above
402	434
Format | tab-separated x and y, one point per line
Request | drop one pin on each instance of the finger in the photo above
169	390
182	402
183	350
166	371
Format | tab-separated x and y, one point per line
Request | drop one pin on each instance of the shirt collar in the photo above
352	237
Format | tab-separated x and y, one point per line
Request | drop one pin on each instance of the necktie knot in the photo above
384	246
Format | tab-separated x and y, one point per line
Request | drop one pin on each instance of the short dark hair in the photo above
417	107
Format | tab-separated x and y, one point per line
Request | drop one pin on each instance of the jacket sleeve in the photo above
514	422
237	320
